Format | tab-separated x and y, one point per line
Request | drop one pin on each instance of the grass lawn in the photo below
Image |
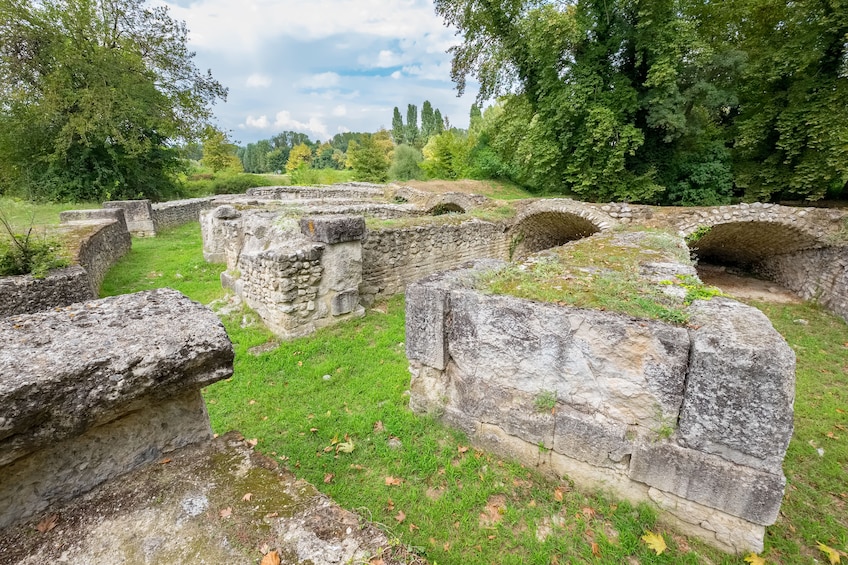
332	408
22	213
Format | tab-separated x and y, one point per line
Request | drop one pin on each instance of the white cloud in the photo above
320	81
259	123
315	126
396	75
340	110
257	80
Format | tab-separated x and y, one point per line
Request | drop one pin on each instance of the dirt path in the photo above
744	287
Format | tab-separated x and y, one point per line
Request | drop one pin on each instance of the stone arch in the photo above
747	243
551	224
445	208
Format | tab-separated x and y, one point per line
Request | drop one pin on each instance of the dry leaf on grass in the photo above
596	549
270	558
378	426
165	461
252	442
754	559
328	478
401	516
831	553
345	447
655	542
377	561
393	481
226	512
47	523
558	494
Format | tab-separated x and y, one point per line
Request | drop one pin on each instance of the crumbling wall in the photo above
696	419
95	389
175	213
95	241
814	274
395	257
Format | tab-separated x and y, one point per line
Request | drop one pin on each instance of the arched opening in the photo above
739	257
446	208
544	230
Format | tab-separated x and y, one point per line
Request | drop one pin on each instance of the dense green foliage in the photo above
406	163
28	252
661	101
275	154
370	158
93	96
411	133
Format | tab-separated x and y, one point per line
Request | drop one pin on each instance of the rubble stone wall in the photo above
167	215
123	389
395	257
817	274
695	419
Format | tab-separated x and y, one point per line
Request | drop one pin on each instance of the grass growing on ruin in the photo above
601	273
22	213
433	491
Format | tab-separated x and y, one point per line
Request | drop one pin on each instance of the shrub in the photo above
29	254
405	163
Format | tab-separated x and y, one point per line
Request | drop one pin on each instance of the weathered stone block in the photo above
116	214
426	307
741	386
333	229
138	214
581	437
344	302
25	295
67	371
709	480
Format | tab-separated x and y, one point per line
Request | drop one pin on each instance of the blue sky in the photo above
322	66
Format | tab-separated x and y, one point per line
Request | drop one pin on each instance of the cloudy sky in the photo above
322	66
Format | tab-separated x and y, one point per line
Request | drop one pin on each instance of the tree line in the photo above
659	101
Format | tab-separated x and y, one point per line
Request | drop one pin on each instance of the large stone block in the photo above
333	229
709	480
630	371
426	307
138	214
741	386
67	371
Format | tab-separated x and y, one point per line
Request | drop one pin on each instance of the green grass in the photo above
22	213
461	505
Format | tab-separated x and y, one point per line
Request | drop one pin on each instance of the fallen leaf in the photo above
378	426
754	559
377	561
831	435
247	496
446	547
270	558
47	523
357	467
345	447
335	440
252	442
328	449
264	548
328	478
252	402
226	512
462	448
596	549
831	553
655	542
588	512
401	516
393	481
558	495
272	515
165	461
413	527
313	430
390	504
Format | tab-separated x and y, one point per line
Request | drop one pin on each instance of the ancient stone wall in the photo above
394	257
95	389
167	215
695	419
814	274
95	240
362	191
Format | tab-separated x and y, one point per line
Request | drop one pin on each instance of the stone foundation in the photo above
696	419
95	389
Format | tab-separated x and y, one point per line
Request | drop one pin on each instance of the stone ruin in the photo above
695	419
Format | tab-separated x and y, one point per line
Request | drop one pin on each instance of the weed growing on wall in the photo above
28	252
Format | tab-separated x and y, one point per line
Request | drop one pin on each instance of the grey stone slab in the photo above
710	480
333	229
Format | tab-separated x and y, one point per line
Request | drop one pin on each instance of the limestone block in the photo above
709	480
333	229
426	307
225	212
630	371
66	371
344	302
116	214
583	437
139	215
741	386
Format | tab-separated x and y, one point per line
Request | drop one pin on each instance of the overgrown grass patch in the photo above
603	272
22	213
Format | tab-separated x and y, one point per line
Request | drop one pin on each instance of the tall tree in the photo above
95	95
439	121
218	153
398	131
412	133
428	121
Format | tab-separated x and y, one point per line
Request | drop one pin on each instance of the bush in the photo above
28	253
405	163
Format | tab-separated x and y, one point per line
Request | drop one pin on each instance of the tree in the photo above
411	136
96	93
371	157
439	122
398	131
218	153
406	163
428	121
300	156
